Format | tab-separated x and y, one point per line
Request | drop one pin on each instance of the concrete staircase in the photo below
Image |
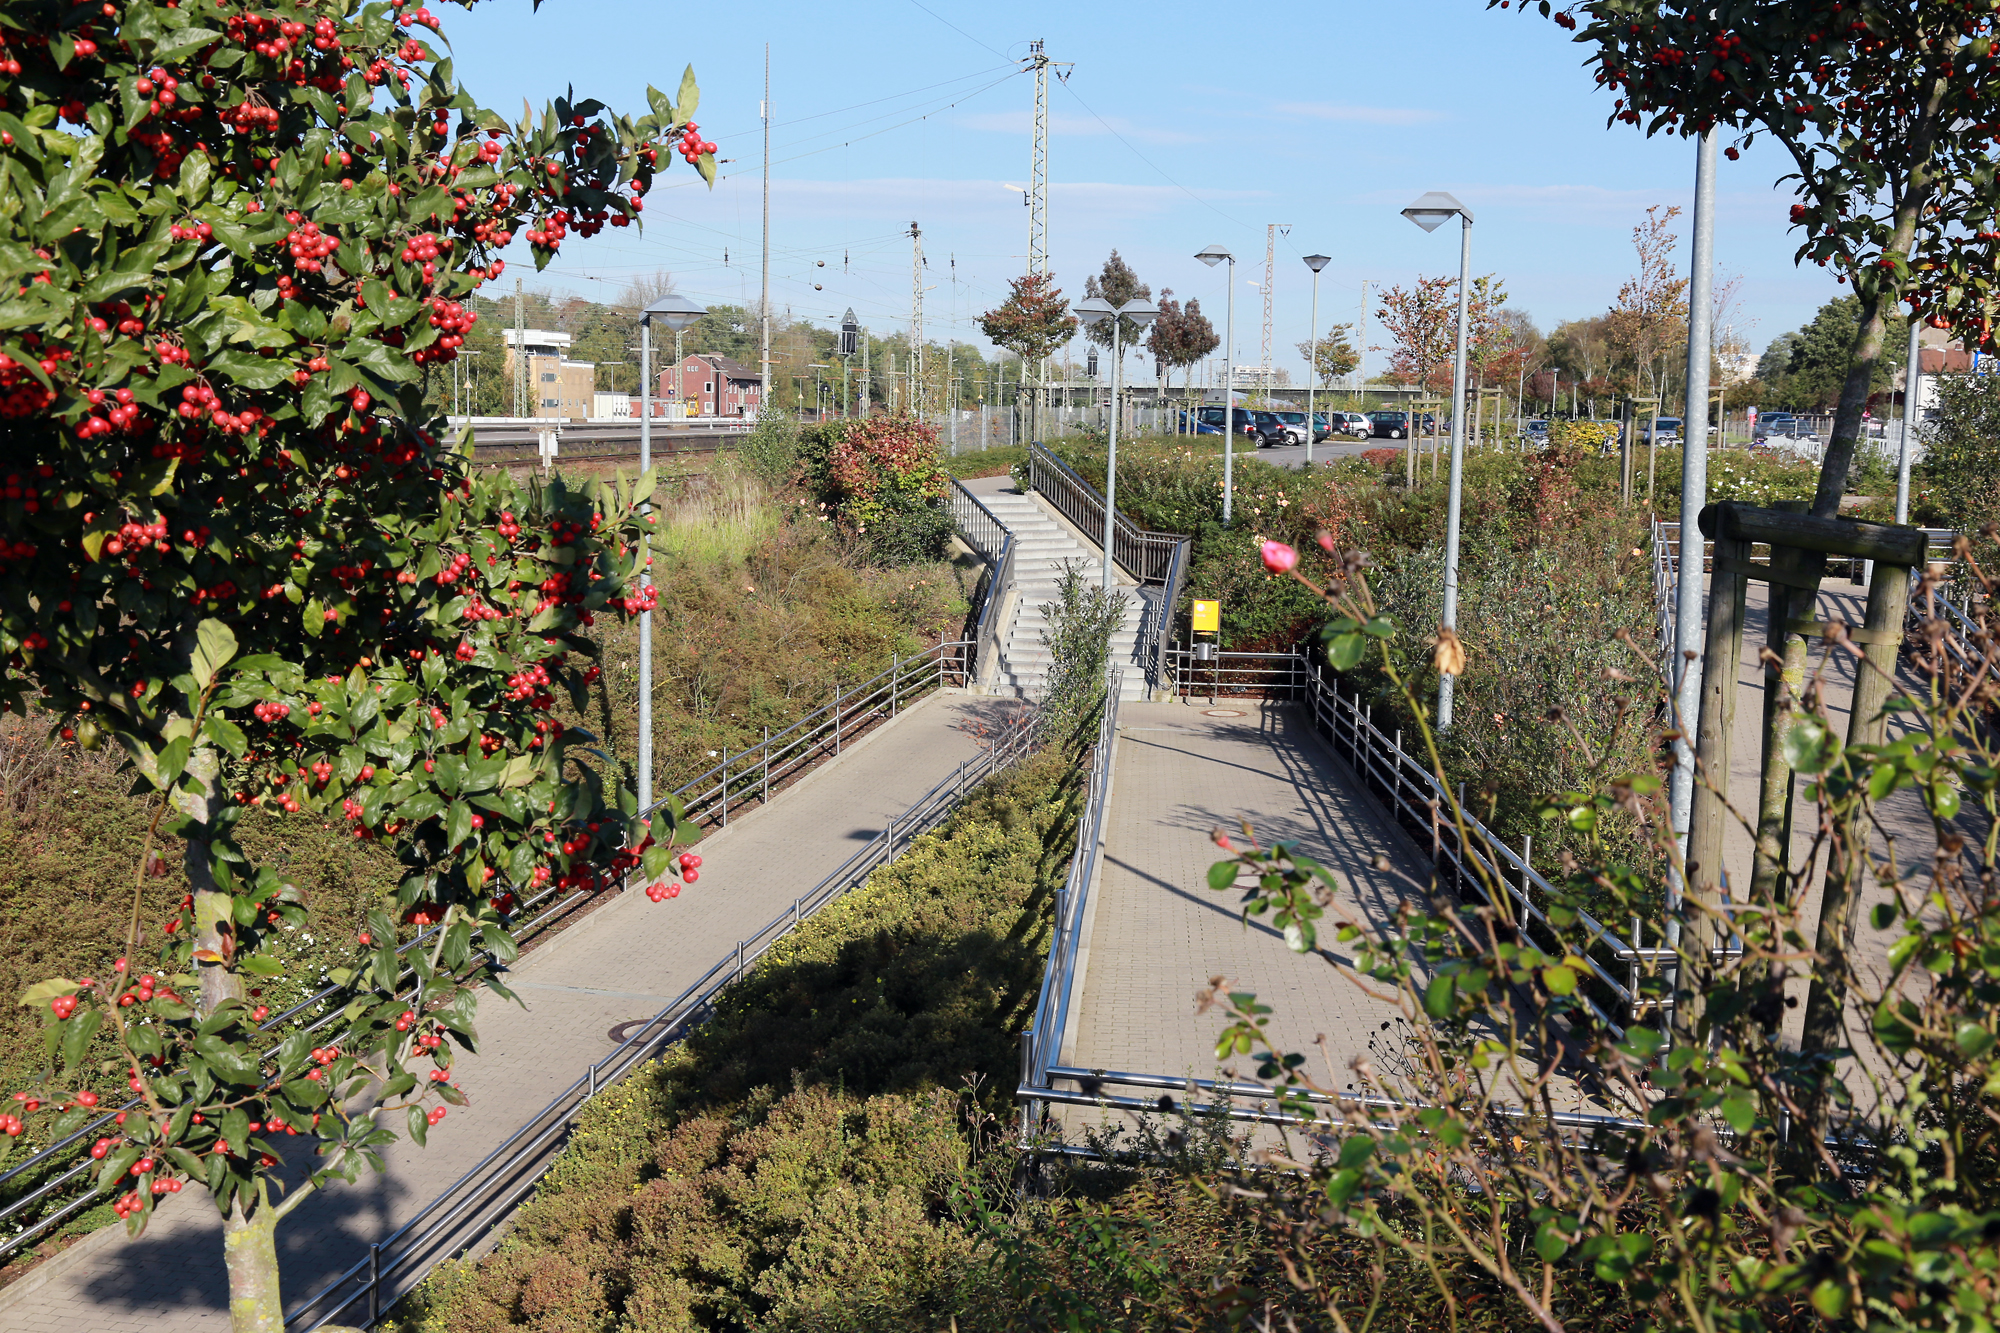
1042	542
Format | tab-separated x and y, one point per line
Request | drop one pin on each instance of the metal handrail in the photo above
1142	554
977	524
491	1188
707	799
1163	613
1041	1043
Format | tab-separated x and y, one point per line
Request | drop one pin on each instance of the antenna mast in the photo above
1038	180
916	319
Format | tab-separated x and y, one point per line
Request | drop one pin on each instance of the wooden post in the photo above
1710	811
1880	636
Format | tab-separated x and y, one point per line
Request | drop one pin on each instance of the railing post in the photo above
374	1282
765	799
592	1084
739	961
895	680
1397	759
836	717
725	784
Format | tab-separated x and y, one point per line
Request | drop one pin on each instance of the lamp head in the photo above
1318	262
1140	311
1431	211
674	311
1092	310
1214	255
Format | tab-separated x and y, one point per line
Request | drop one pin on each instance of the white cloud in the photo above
1022	123
1364	115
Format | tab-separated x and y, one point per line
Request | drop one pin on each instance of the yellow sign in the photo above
1208	617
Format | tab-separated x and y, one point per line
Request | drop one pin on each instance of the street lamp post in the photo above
1430	213
1315	263
1212	256
1097	310
677	313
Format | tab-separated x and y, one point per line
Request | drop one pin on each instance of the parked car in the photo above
1388	425
1670	429
1782	424
1535	432
1295	426
1271	428
1208	421
1352	423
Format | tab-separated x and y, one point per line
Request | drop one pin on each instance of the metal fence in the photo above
735	780
484	1195
1041	1044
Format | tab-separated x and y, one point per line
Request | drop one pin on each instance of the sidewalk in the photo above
623	962
1159	932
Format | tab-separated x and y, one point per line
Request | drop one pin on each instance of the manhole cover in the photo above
1223	712
623	1032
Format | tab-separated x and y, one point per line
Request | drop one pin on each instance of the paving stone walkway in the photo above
1159	933
625	961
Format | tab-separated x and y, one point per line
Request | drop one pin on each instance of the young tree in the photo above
1331	356
1887	112
1816	365
1117	283
235	547
1031	323
1650	319
1181	336
1421	324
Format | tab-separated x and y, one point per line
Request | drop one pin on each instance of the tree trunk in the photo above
250	1252
213	906
1862	360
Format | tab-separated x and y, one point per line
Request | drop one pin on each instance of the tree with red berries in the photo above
1886	109
240	241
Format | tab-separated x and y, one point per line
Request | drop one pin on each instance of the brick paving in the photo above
1159	932
625	961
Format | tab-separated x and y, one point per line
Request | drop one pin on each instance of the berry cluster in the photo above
691	145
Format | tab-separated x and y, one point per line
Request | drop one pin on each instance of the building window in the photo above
548	378
708	387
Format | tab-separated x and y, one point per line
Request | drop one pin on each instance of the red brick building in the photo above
713	386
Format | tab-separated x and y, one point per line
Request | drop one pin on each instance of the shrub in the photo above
883	481
771	450
1081	621
790	1165
1962	462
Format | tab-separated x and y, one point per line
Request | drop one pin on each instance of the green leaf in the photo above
226	734
1549	1242
78	1031
1222	874
1740	1110
214	646
1343	651
419	1125
1831	1298
1439	995
314	617
258	965
172	760
1356	1150
1559	979
688	98
1973	1040
43	991
1809	746
1883	915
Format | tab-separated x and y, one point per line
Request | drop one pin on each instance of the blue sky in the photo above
1180	125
